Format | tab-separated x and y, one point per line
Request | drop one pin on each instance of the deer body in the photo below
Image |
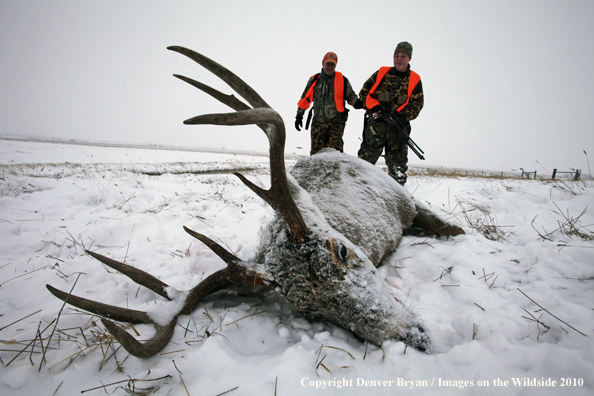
337	218
357	215
358	200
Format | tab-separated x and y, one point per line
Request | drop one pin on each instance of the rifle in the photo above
309	115
389	118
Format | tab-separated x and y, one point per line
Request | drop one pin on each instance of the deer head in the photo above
322	265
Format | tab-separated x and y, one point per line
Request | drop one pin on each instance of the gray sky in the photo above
507	84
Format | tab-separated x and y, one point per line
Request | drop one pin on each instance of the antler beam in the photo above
234	273
278	196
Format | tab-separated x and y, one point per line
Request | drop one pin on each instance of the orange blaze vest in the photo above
338	93
412	83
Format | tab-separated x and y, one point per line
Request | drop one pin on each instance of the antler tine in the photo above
142	278
220	251
259	115
124	315
233	273
229	100
238	85
236	272
110	311
136	348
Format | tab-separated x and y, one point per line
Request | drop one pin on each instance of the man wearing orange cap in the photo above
328	90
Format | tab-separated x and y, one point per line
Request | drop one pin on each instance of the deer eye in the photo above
342	252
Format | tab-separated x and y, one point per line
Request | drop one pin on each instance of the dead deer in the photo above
337	217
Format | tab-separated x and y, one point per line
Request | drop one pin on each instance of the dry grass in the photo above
459	172
440	171
547	311
320	361
569	226
479	218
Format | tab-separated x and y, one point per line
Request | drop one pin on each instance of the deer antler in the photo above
235	273
278	196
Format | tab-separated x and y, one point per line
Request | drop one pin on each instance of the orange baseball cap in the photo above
330	57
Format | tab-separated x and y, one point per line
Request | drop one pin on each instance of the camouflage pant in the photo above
378	135
327	134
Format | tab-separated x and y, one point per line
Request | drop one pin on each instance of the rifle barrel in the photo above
411	143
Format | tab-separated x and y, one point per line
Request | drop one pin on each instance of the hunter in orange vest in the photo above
328	91
397	90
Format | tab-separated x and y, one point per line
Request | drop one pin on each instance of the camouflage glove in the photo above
358	104
298	122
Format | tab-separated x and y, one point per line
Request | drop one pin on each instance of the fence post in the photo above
554	173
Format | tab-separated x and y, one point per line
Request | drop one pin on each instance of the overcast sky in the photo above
507	84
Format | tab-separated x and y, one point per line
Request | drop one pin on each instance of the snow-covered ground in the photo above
487	301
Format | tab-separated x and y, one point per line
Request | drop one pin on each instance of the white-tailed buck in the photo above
337	217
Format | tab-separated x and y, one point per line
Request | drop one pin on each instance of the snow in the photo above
347	190
478	296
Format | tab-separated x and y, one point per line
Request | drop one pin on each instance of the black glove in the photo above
358	104
298	122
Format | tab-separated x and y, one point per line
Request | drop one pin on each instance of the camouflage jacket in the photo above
395	84
324	106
